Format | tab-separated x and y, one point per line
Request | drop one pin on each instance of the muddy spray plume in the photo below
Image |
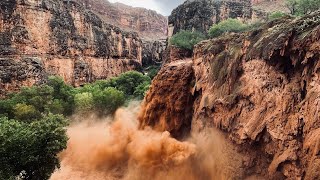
116	149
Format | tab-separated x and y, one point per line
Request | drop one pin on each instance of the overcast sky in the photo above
161	6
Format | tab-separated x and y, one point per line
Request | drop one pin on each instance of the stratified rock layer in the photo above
148	23
262	89
50	37
200	15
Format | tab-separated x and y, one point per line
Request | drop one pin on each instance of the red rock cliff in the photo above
262	89
148	23
45	37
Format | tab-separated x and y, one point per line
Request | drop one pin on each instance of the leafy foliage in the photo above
29	150
152	71
276	15
32	123
63	93
186	39
229	25
84	102
141	90
128	82
301	7
26	112
108	100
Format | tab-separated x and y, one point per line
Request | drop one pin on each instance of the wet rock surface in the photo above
168	105
261	89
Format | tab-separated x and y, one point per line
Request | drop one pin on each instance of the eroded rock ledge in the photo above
262	89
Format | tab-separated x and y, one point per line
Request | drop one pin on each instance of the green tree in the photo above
127	82
229	25
141	90
301	7
187	39
108	101
84	102
292	5
25	112
63	93
30	149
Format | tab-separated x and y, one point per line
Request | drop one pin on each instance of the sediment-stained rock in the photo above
262	89
66	39
168	105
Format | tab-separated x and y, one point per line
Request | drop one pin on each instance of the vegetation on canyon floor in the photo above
33	121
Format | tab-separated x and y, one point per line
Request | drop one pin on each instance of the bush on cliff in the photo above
276	15
187	39
28	150
229	25
302	7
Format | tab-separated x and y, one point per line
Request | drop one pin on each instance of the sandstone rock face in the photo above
200	15
149	24
262	89
173	53
168	105
152	52
50	37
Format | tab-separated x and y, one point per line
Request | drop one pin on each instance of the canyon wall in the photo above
148	23
200	15
260	88
49	37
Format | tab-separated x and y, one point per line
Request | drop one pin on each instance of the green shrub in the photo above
128	82
26	112
84	102
229	25
30	149
186	39
301	7
56	106
152	71
141	90
276	15
63	93
108	101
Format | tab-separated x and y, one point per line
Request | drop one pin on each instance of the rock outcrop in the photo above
200	15
51	37
148	23
261	88
152	52
168	105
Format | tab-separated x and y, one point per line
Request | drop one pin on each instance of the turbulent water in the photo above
116	149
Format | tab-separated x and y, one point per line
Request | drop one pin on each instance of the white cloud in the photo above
162	6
